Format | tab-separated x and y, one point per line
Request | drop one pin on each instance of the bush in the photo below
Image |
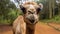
55	19
10	17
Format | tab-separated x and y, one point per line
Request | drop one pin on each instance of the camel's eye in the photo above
23	9
38	10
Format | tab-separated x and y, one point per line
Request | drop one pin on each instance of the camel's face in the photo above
31	11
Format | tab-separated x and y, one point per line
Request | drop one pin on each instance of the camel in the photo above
26	23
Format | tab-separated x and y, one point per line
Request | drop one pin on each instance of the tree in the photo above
8	11
50	9
53	7
59	7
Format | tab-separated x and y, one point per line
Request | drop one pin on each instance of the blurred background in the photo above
9	11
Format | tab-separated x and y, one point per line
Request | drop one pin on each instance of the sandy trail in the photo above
40	29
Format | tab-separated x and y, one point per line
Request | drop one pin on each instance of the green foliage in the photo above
10	17
55	19
8	12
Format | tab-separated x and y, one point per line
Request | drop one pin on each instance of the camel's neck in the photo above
30	29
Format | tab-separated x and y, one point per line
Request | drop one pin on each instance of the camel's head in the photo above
31	11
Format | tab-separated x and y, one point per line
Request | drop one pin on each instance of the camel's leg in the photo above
17	32
13	32
17	29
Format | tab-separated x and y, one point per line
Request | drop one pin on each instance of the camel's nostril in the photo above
31	18
32	21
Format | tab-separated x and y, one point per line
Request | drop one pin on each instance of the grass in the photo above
5	21
55	19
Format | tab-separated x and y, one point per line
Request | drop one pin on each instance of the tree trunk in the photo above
53	6
50	9
59	7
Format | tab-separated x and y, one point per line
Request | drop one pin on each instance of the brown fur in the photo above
20	21
22	24
26	4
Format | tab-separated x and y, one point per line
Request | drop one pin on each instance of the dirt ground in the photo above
40	29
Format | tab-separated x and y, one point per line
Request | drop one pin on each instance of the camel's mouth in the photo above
32	21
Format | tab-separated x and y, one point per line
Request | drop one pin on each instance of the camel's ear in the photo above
23	8
41	6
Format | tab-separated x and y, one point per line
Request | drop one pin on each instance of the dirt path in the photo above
40	29
45	29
